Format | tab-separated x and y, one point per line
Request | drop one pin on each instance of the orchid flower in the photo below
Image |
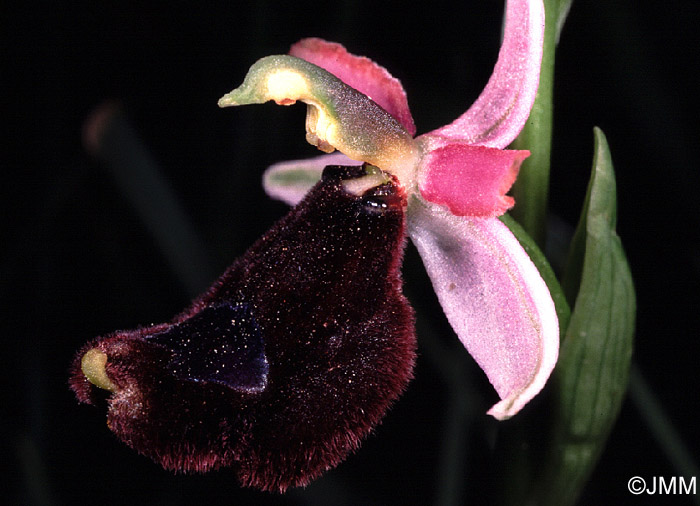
296	352
455	177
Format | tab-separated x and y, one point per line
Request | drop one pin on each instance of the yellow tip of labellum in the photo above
93	367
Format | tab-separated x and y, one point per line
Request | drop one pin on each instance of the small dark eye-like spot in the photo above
381	199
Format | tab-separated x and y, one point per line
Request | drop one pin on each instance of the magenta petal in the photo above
469	180
500	112
361	73
494	298
290	181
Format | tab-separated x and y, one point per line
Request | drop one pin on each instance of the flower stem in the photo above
531	189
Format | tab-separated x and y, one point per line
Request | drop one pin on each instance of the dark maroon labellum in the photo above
289	359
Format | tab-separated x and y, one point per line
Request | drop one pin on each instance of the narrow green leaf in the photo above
563	8
594	360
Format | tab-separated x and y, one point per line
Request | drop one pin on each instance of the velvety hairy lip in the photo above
284	365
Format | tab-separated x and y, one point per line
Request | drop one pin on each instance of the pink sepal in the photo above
361	73
502	109
494	298
290	181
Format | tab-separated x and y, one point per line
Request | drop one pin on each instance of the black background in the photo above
76	260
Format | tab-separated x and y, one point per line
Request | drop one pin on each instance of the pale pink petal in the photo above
500	112
290	181
361	73
469	180
494	298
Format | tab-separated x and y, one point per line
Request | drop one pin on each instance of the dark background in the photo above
77	260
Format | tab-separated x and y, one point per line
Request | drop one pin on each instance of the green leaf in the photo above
594	360
562	12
